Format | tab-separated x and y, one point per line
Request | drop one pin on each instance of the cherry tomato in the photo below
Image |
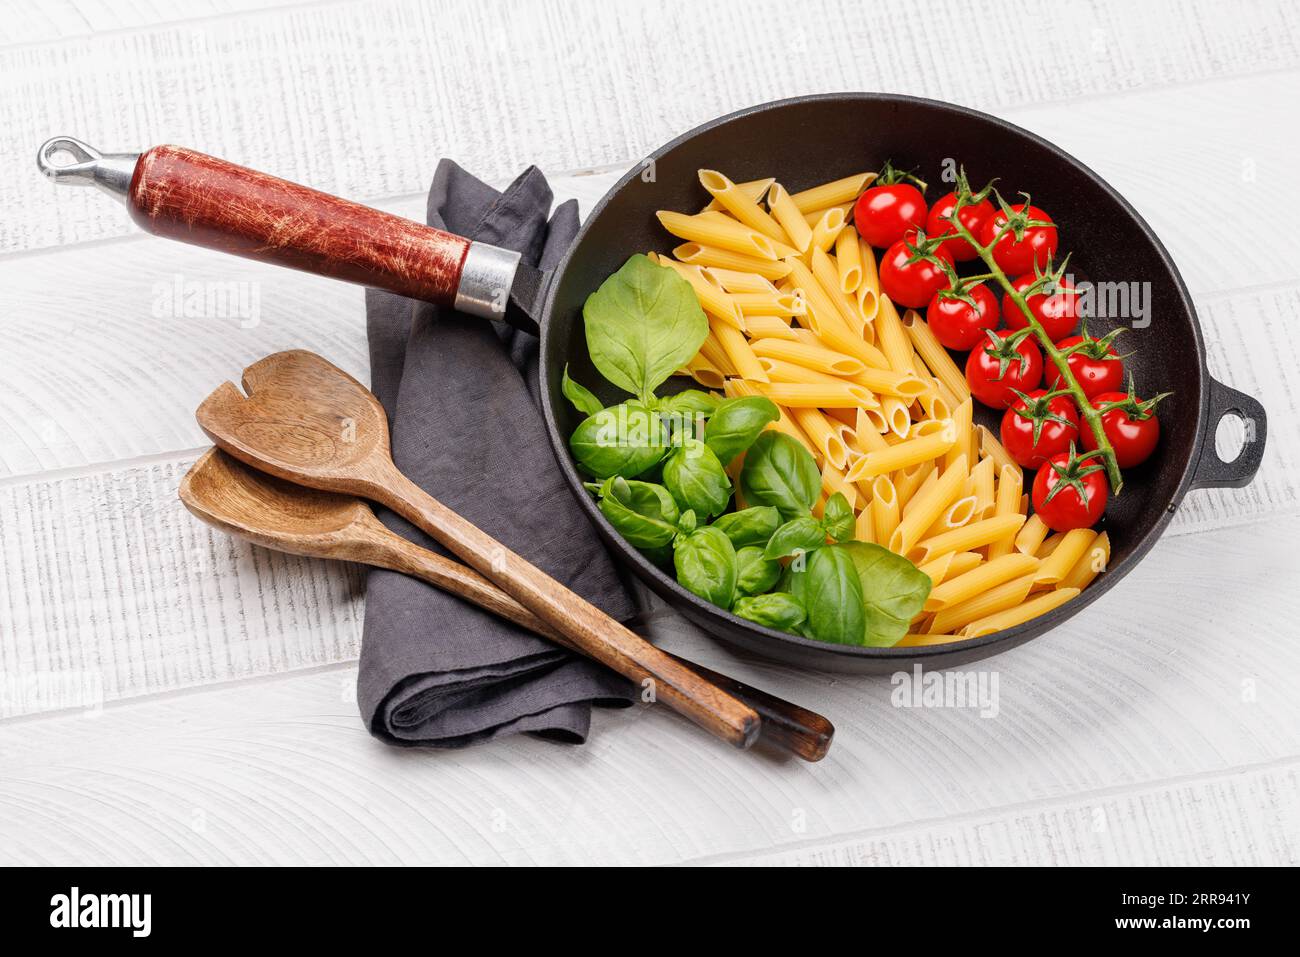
1070	491
973	217
958	324
913	284
883	214
1130	425
1016	256
1095	364
1038	425
1008	362
1058	313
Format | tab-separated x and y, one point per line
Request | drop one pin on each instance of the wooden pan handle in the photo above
586	628
805	733
195	198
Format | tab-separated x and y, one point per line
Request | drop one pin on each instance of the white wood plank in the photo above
357	98
1152	700
48	21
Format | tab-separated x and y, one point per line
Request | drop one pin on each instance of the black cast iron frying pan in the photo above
803	142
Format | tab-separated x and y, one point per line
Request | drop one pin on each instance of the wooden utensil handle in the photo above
805	733
195	198
587	628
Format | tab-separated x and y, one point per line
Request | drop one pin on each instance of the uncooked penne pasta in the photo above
738	203
981	486
839	191
863	529
705	373
934	355
754	189
980	579
991	448
712	299
884	507
935	570
900	456
824	438
714	229
1010	483
1091	564
717	356
768	304
818	358
734	281
833	481
826	229
1020	613
966	538
907	481
962	562
769	327
956	515
961	429
1031	535
1000	598
699	254
896	415
844	395
785	212
892	338
735	344
828	277
1073	546
905	385
848	260
924	510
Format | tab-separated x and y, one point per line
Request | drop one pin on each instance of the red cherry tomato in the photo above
1007	363
1058	313
958	324
1070	492
913	284
973	217
1130	425
883	214
1016	256
1035	430
1095	364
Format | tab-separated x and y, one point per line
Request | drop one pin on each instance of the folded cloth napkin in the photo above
464	407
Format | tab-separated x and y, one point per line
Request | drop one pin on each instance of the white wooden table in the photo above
1160	726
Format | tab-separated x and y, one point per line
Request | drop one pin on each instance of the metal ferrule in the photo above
110	172
485	281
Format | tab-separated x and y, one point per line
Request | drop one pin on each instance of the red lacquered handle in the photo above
195	198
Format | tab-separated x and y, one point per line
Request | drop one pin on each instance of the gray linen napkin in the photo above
463	403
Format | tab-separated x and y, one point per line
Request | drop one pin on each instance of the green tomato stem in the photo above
1090	415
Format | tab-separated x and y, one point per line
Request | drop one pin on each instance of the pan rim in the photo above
984	645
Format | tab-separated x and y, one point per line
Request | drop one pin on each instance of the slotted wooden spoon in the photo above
309	422
277	514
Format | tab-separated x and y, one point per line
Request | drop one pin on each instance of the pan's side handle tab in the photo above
1212	471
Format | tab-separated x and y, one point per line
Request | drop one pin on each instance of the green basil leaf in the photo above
893	591
754	573
626	440
582	398
750	526
736	423
706	565
643	324
778	609
687	522
837	518
830	591
690	402
696	479
644	514
780	472
797	535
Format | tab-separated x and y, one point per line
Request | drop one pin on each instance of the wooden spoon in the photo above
309	422
291	518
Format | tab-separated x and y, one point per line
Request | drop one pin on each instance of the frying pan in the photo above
804	141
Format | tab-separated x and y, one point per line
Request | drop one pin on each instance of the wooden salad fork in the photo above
277	514
307	421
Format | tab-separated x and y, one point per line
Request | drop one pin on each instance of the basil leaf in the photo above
754	573
893	591
690	402
644	514
687	522
736	423
582	398
643	324
830	591
778	609
706	565
780	472
797	535
837	518
750	526
622	440
696	479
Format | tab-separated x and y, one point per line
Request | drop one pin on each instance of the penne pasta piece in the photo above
717	356
714	229
961	426
736	346
833	481
896	415
1000	598
1010	483
1073	545
1031	535
848	261
816	357
824	438
828	278
739	204
825	230
937	569
884	508
956	515
876	420
966	538
962	562
904	385
787	214
769	327
754	189
935	356
769	304
698	254
1020	613
909	452
868	294
867	437
705	373
712	299
863	529
924	510
908	481
1091	564
803	395
1049	544
734	281
981	486
839	191
991	448
813	216
980	579
892	338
